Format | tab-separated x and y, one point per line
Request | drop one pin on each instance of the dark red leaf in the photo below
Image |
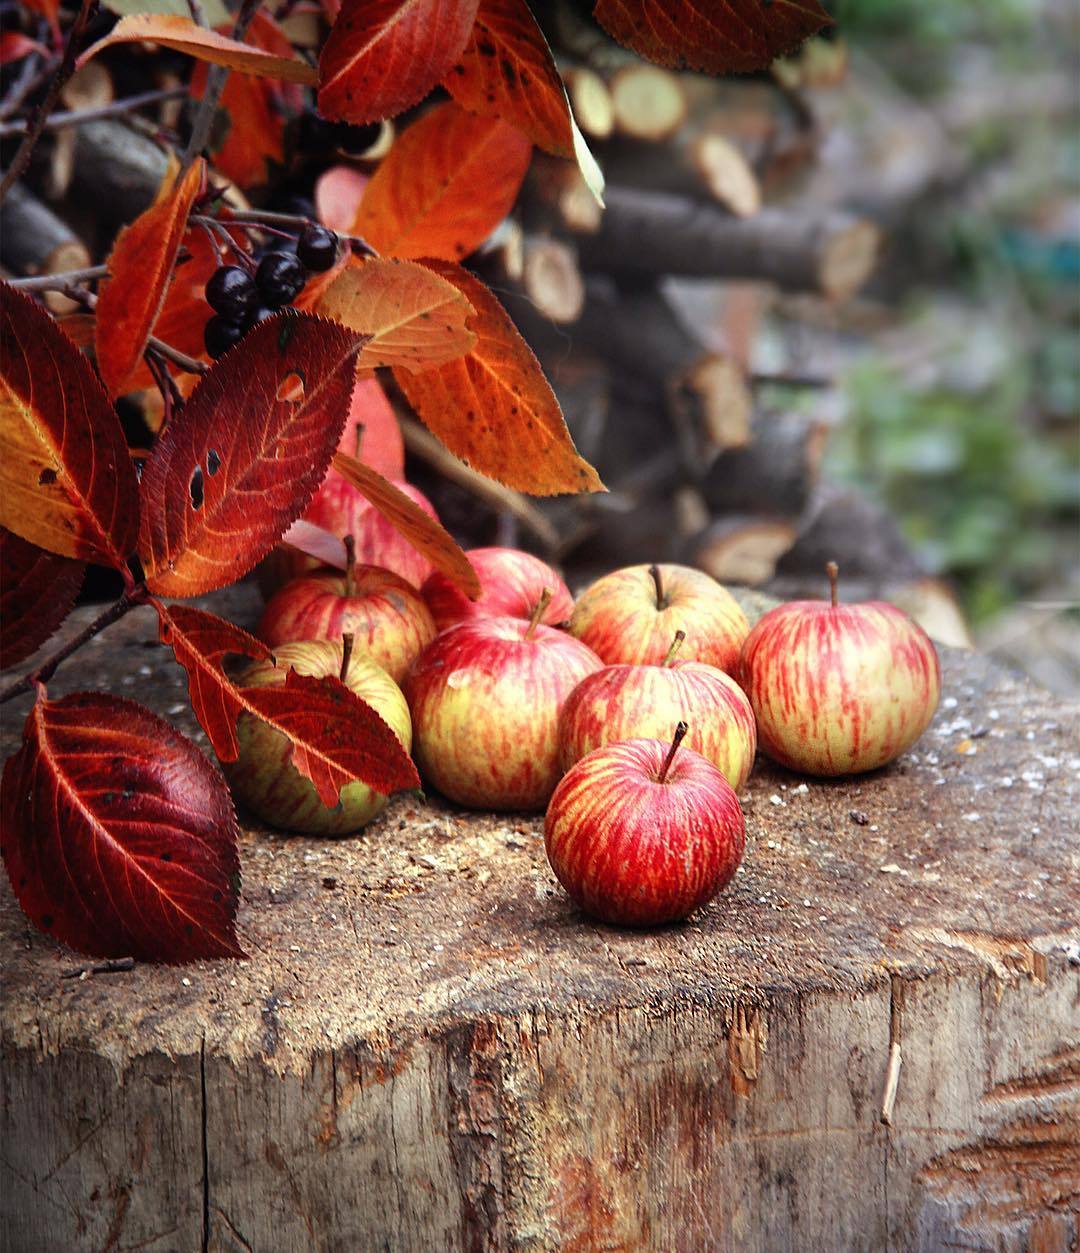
243	457
735	36
118	835
66	480
37	590
447	182
383	56
493	407
422	531
140	270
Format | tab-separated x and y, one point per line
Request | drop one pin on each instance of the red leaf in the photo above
181	34
383	56
372	434
314	541
493	408
422	531
140	270
118	835
412	317
37	590
734	37
507	70
446	184
66	481
14	46
238	464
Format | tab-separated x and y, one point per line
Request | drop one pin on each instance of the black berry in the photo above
219	335
231	292
280	277
317	248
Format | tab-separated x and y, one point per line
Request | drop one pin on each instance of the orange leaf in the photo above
422	531
181	34
507	70
414	317
383	56
66	480
734	37
140	270
243	457
493	408
446	184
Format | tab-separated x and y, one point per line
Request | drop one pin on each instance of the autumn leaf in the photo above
414	317
372	433
182	35
338	192
446	184
493	407
425	533
256	109
314	541
118	835
735	37
140	269
14	46
37	590
66	481
383	56
243	457
336	737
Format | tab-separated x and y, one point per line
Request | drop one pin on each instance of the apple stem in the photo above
346	654
833	571
676	740
538	612
350	564
659	584
358	427
676	644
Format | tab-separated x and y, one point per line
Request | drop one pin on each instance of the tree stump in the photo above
429	1048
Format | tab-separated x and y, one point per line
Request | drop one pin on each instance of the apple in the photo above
386	616
630	616
264	778
511	583
640	833
646	702
839	689
485	698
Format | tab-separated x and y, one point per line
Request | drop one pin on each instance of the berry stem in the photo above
833	571
538	612
350	564
346	654
676	740
359	428
658	583
676	644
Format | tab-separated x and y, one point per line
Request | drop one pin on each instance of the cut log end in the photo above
552	280
725	401
739	549
590	101
848	259
727	174
648	102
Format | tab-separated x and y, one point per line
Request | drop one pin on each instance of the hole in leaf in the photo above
213	463
46	477
291	387
195	488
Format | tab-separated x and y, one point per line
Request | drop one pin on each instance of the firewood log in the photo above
774	474
35	241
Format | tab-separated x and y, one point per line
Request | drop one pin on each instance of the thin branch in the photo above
60	280
63	73
48	667
115	108
32	71
189	364
215	85
263	218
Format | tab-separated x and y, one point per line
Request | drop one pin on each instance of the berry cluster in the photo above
241	298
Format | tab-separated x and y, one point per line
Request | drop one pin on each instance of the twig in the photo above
186	363
215	85
262	218
823	381
115	966
65	278
30	74
115	108
63	73
892	1079
45	671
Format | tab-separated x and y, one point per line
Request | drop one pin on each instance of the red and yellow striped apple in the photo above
511	583
263	776
630	616
485	698
839	689
640	832
386	616
647	702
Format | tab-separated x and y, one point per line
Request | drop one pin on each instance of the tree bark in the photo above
35	241
119	168
429	1048
831	254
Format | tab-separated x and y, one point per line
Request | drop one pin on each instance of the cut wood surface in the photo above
831	253
429	1048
